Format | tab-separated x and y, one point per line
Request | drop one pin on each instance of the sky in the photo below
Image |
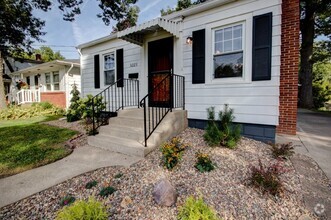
63	35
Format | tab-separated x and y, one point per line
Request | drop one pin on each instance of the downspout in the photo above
67	86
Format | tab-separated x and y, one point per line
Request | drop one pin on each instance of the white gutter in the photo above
72	66
97	41
195	9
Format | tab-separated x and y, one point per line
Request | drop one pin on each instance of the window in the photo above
228	52
48	82
56	81
109	68
36	81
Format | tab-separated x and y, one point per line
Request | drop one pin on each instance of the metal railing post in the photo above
183	93
138	92
145	127
122	96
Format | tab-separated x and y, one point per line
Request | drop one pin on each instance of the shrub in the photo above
84	210
222	132
118	175
282	150
267	178
74	113
91	184
172	153
204	163
86	109
196	209
67	200
106	191
37	109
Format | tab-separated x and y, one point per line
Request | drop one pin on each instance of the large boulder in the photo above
164	193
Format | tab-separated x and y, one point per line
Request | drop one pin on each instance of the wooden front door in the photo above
160	65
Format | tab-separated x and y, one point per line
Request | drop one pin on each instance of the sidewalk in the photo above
83	159
312	160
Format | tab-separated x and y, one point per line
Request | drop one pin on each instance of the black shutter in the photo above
119	67
96	72
262	43
198	57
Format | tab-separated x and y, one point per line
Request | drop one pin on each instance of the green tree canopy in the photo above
181	4
315	21
19	28
47	54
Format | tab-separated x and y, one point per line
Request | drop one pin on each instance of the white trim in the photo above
246	21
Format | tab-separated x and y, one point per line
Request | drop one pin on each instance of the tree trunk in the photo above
307	28
3	103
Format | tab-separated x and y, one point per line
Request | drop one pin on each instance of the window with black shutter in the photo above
262	44
198	57
96	71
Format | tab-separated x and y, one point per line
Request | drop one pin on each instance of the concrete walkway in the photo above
313	138
83	159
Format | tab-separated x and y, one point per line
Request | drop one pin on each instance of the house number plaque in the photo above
133	64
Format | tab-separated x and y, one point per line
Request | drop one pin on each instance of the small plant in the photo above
172	153
118	175
283	151
196	209
204	163
267	178
74	113
84	210
91	184
67	200
106	191
222	132
86	109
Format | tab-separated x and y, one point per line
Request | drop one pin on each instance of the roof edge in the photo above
195	9
97	41
60	62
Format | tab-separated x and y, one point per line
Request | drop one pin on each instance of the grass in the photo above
26	144
10	123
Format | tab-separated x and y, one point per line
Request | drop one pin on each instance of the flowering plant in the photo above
172	153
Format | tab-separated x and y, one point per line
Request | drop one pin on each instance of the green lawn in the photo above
10	123
26	144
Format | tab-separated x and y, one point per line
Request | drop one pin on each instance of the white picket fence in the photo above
28	96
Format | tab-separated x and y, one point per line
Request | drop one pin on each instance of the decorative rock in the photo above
126	201
164	193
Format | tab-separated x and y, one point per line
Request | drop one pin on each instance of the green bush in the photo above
23	112
204	163
91	184
74	112
222	132
84	210
196	209
86	109
172	153
106	191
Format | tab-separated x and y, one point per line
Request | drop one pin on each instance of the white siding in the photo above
253	102
132	55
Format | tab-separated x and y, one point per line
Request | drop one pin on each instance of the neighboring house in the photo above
243	53
51	81
11	65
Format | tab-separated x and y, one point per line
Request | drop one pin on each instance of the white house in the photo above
243	53
51	81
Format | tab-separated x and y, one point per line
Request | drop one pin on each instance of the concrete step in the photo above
129	132
120	145
125	133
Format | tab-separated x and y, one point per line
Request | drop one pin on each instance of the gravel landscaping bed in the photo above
78	140
226	188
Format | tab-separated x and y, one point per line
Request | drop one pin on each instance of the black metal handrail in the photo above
156	110
120	94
